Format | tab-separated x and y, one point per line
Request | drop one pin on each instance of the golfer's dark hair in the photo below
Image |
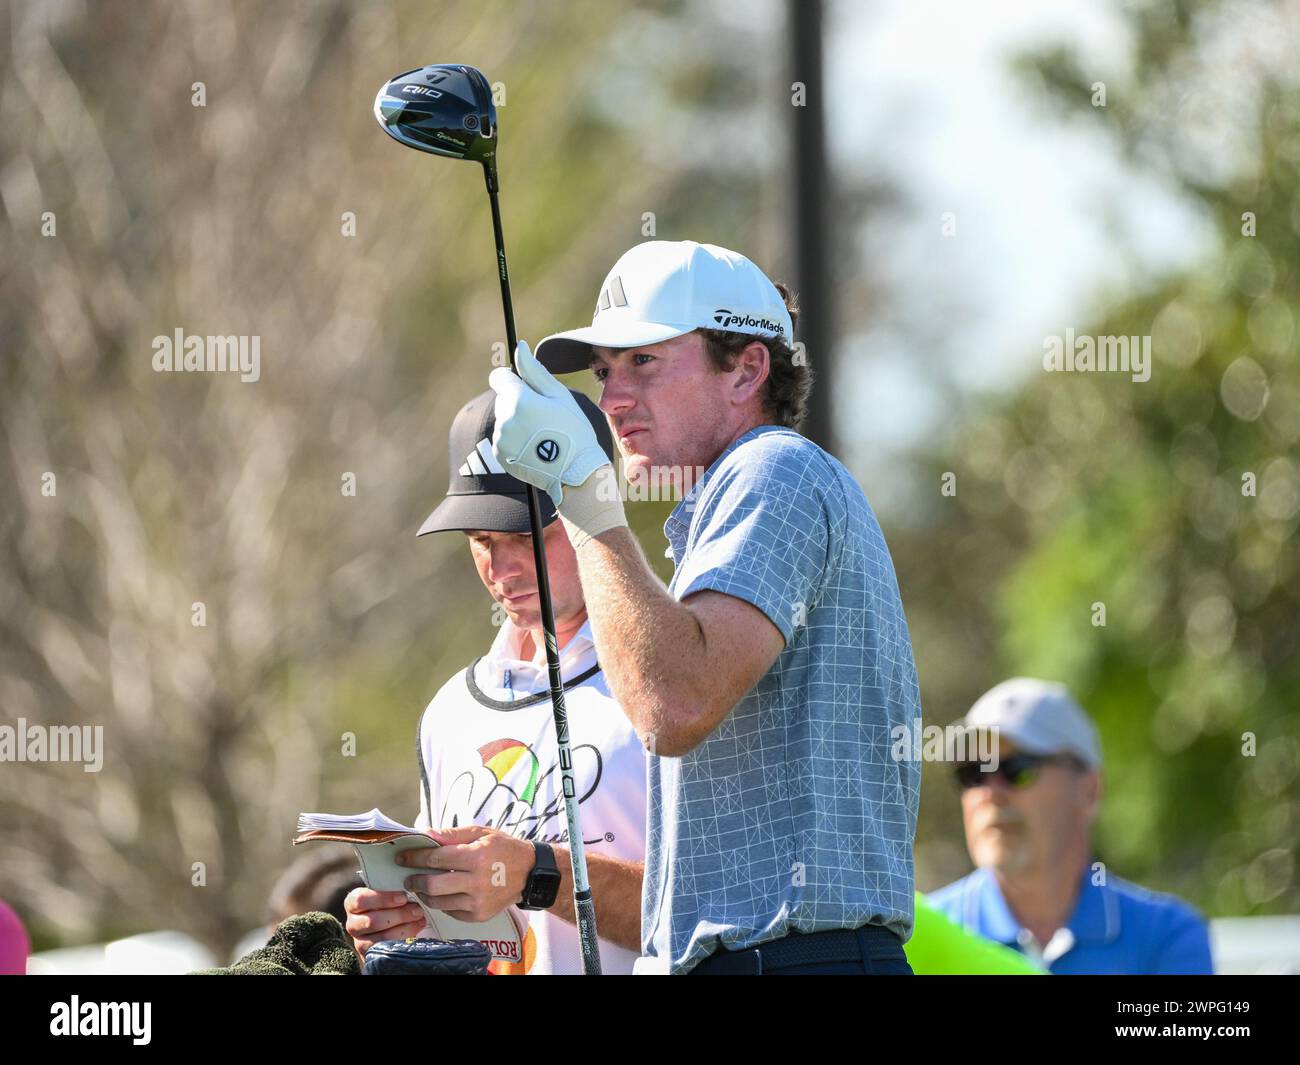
789	378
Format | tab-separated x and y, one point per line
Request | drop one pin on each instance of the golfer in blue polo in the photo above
766	678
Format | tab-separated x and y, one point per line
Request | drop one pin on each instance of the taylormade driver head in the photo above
445	109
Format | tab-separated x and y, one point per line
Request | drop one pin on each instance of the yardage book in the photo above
378	839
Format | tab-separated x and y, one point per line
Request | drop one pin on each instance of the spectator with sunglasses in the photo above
1037	886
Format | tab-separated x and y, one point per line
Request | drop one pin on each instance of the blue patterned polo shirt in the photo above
792	815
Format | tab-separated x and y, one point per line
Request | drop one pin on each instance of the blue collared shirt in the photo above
793	815
1116	927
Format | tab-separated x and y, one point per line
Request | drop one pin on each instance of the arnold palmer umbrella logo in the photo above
503	756
506	786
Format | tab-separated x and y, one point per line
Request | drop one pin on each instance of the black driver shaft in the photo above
583	905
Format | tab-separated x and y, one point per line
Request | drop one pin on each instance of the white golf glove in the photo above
543	438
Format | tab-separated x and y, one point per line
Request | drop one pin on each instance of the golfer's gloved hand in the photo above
543	438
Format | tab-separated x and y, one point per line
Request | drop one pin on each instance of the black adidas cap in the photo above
481	494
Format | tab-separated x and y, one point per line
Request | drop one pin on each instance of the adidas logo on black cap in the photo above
481	461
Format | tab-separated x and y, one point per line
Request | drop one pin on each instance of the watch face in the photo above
543	887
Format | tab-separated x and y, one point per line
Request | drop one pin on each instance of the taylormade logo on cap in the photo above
730	320
666	288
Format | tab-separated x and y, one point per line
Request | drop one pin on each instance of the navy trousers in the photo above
871	950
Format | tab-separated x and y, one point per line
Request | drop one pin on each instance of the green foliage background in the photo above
1173	502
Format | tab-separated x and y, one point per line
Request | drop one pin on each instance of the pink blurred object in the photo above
14	944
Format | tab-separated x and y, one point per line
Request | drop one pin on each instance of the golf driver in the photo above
447	109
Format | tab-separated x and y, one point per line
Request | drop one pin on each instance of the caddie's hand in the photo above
484	871
376	915
542	437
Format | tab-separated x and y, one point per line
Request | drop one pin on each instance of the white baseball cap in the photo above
1040	717
665	288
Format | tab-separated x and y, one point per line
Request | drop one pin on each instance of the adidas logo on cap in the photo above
481	461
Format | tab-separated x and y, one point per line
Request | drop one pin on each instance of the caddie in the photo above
765	679
488	755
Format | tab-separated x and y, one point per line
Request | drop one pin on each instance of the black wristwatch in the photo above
543	883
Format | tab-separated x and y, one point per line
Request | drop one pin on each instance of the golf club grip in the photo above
584	909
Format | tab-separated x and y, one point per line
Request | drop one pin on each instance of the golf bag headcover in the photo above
427	957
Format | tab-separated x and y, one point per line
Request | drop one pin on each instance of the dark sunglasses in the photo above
1019	771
